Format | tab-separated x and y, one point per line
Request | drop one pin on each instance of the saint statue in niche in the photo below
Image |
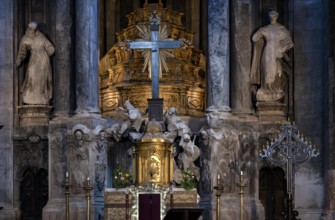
37	86
270	45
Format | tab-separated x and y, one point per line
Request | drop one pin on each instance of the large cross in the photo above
289	147
155	44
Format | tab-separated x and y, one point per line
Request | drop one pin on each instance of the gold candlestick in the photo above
88	189
67	196
241	185
219	189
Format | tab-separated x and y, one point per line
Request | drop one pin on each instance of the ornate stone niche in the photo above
123	76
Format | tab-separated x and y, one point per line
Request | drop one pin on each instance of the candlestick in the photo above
241	185
67	196
219	189
88	189
127	204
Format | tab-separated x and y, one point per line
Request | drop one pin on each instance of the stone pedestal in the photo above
230	208
270	111
80	151
34	115
155	109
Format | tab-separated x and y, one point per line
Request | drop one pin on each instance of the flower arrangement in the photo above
121	178
189	181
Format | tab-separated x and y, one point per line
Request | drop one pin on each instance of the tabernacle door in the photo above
149	206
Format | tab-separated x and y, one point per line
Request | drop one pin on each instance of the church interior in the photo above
167	109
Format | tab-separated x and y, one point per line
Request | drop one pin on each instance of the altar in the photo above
157	203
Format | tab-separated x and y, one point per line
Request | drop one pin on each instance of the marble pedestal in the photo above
230	208
81	157
34	115
270	111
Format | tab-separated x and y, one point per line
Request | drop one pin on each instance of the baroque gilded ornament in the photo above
125	72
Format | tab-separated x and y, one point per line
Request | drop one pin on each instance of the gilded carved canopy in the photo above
123	74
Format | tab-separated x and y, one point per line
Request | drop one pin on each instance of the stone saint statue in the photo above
37	86
270	44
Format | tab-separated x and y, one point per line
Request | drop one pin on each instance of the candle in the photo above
67	174
88	179
241	173
219	177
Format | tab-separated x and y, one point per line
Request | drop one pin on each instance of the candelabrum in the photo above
290	147
171	196
127	204
219	190
67	195
241	185
88	189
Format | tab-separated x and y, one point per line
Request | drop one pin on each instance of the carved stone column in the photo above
6	109
86	59
218	87
63	59
240	55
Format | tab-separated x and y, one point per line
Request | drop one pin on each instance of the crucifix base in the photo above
156	109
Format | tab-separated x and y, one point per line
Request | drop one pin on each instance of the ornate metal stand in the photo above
171	196
289	147
219	189
127	204
67	196
88	189
241	185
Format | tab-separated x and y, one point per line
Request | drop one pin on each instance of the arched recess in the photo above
33	193
272	192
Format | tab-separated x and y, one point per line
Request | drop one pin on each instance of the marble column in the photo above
7	54
87	57
218	88
62	102
240	55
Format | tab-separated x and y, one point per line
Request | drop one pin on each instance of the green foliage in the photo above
189	181
121	178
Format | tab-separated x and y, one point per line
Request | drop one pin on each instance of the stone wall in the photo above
310	81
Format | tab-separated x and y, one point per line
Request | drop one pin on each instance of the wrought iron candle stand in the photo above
88	189
219	190
241	185
289	147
